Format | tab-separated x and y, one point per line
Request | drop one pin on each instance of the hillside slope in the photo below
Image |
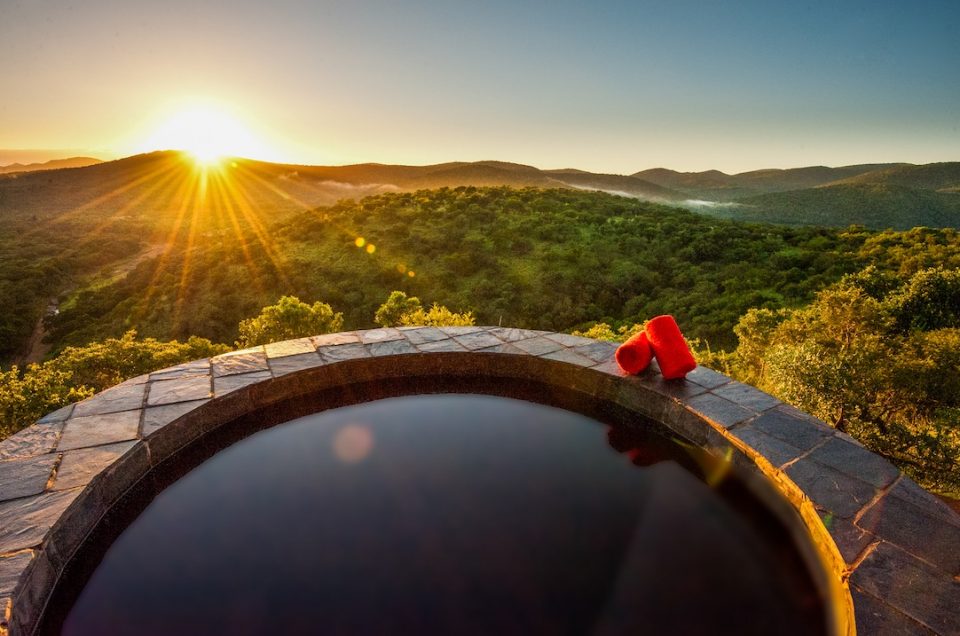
551	259
72	233
108	188
932	176
719	186
876	206
65	229
53	164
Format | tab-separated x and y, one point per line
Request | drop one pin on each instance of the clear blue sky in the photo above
606	86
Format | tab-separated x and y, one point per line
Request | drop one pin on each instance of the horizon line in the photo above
111	157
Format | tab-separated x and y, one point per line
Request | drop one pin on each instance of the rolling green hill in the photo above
877	196
63	230
552	259
932	176
151	242
873	205
719	186
142	187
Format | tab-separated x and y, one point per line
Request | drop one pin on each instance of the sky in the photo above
603	86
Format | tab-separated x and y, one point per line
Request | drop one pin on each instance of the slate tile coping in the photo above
180	389
896	546
34	440
448	344
236	364
95	430
293	363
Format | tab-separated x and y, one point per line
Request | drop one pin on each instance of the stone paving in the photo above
890	549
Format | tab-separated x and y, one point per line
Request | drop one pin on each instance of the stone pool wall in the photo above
890	552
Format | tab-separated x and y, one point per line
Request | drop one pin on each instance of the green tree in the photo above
390	313
79	372
929	300
289	318
853	359
401	310
26	395
102	364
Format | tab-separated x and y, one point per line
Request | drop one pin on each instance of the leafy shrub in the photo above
401	310
390	313
289	318
881	362
437	316
79	372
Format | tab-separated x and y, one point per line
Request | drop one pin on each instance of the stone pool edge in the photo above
891	547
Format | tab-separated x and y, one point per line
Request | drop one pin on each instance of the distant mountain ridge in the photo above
373	176
872	205
899	196
58	192
53	164
482	173
717	185
932	176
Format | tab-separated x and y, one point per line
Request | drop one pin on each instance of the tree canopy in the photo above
397	305
79	372
876	356
401	310
288	318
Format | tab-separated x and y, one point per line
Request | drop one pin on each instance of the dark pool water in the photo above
446	514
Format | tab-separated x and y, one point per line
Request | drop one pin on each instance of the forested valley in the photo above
857	326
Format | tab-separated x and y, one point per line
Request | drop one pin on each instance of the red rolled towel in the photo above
634	355
673	354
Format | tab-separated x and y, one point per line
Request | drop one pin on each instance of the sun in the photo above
207	133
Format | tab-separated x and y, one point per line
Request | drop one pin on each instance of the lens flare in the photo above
353	443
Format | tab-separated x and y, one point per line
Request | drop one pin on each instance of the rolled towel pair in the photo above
661	338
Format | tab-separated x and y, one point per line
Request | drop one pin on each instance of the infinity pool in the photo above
448	514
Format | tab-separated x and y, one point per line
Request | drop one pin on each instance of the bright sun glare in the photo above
208	134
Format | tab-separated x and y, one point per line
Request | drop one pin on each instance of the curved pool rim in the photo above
96	450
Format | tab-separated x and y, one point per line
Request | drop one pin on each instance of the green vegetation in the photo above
289	318
79	372
714	185
874	205
397	305
603	331
876	356
784	308
943	176
878	196
549	259
401	310
437	316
